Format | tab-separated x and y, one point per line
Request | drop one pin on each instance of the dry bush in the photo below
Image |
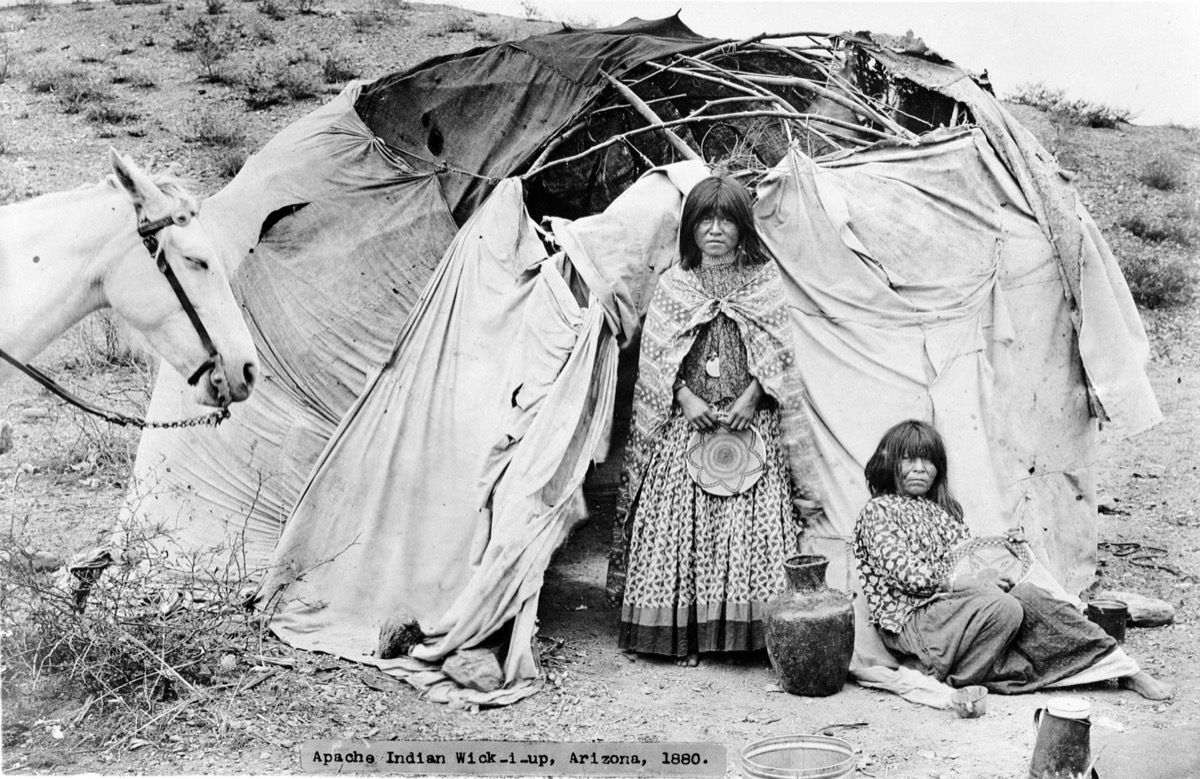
104	341
77	90
531	10
271	9
214	129
1165	171
214	7
306	7
211	42
1082	113
134	77
1160	280
229	162
111	114
456	23
270	81
489	35
1172	227
263	34
337	68
132	639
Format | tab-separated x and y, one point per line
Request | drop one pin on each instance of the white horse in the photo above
65	255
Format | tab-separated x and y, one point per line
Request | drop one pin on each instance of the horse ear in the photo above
136	183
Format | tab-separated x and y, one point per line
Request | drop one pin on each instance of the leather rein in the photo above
148	231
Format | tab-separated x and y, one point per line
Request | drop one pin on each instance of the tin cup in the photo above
970	702
1111	615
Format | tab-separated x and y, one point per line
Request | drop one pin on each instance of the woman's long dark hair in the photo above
726	198
911	438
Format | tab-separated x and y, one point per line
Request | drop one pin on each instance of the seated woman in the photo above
965	630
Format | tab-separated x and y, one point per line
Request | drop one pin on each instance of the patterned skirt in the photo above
701	567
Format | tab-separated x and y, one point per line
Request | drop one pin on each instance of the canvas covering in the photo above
432	395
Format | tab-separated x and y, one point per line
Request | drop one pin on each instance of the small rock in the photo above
475	668
1143	612
398	635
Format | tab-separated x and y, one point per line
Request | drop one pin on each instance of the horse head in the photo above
169	267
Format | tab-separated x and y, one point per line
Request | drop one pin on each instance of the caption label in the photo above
513	758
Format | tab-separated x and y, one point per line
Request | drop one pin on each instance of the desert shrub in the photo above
489	35
271	9
214	7
229	161
1160	280
75	89
531	10
136	2
104	341
210	42
308	6
36	9
366	20
125	632
269	82
263	33
337	68
1082	113
456	23
110	113
1164	170
134	78
1172	228
213	129
93	57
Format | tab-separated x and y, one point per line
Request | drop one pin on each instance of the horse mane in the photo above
171	184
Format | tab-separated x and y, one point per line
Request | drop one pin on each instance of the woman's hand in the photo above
698	413
741	413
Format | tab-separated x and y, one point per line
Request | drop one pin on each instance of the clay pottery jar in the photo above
810	630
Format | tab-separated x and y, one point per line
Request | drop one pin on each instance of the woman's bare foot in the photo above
1147	686
691	661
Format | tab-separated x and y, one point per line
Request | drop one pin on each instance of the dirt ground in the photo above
61	485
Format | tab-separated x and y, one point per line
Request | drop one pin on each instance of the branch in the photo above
646	111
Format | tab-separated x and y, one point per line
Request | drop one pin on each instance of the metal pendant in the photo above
713	367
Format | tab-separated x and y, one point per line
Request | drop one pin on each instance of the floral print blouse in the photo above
903	546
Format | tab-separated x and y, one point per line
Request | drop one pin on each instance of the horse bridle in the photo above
149	234
148	231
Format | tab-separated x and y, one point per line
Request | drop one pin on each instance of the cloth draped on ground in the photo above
1014	642
700	567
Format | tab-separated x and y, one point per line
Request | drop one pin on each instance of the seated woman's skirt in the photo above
702	566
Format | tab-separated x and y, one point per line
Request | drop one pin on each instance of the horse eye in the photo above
199	263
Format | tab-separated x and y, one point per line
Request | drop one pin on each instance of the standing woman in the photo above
696	556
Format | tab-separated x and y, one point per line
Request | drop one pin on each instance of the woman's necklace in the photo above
712	366
722	261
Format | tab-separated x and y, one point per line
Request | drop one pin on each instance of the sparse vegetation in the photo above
110	113
1158	280
213	129
270	81
211	42
489	35
1159	230
134	78
214	7
229	162
337	68
136	2
308	6
531	10
271	9
1163	171
263	33
456	23
75	89
1082	113
6	58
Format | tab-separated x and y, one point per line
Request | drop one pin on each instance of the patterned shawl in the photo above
679	309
